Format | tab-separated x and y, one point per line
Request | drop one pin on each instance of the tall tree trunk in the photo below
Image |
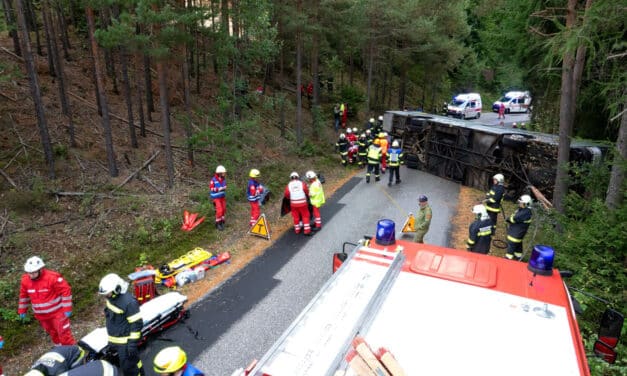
105	21
188	115
10	20
46	19
615	189
60	72
126	85
140	106
35	89
299	81
165	120
370	64
150	103
568	100
402	87
33	25
106	121
65	39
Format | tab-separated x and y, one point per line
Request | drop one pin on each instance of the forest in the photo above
104	101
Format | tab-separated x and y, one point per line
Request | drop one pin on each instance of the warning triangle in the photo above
260	228
409	224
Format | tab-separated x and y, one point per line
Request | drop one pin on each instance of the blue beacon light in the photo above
541	260
385	232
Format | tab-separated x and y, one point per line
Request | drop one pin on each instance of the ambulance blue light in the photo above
541	260
385	232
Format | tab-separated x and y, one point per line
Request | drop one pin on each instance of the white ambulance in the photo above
465	106
514	101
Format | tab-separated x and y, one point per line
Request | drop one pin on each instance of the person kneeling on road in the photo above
172	361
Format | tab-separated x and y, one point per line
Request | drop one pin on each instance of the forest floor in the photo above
85	223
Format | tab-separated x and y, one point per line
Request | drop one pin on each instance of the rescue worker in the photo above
494	198
518	225
217	192
58	360
342	147
124	323
362	149
298	194
316	197
395	160
370	124
172	361
423	219
344	114
253	192
50	297
369	136
383	143
96	368
480	231
352	145
374	157
377	126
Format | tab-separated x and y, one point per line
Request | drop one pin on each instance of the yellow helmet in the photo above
254	173
170	360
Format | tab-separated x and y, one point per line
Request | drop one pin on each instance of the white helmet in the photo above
380	117
34	372
395	144
112	283
480	211
294	175
525	199
349	131
33	264
371	120
499	178
220	169
368	131
342	136
355	130
310	175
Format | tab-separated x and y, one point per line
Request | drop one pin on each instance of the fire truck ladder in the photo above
316	342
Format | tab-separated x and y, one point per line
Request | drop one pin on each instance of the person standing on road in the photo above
383	143
501	111
172	361
342	147
480	231
253	192
124	323
217	192
374	157
362	149
494	198
50	297
519	223
423	219
395	160
298	194
316	197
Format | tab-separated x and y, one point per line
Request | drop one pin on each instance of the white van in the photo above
465	106
514	101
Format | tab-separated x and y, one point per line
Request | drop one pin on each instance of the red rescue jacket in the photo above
297	192
47	295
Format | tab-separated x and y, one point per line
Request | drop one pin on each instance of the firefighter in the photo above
480	231
124	323
342	147
494	198
518	225
173	361
423	219
374	157
96	368
383	143
254	191
369	136
50	297
217	192
370	124
362	149
395	160
58	360
316	197
298	194
378	126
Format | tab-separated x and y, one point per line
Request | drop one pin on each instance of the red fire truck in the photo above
436	311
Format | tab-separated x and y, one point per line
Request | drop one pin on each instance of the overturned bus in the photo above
470	153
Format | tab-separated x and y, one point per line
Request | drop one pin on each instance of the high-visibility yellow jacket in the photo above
316	193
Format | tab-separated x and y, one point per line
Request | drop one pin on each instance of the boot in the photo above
367	179
376	178
398	181
389	184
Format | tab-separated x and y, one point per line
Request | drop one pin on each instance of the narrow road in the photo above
241	319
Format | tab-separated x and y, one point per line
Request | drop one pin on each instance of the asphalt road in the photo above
491	118
240	320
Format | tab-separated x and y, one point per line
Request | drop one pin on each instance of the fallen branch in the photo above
19	151
8	178
153	185
540	197
12	54
4	223
97	195
7	97
137	171
93	107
